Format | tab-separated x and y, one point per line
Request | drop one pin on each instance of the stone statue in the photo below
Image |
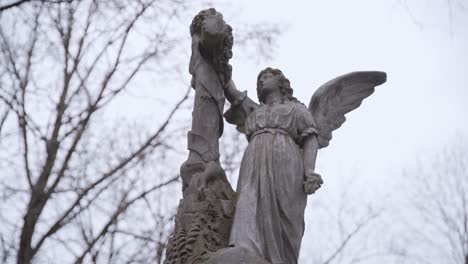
264	222
278	166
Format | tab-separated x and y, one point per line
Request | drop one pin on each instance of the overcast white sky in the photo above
419	109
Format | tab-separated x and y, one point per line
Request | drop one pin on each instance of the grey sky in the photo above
416	113
422	105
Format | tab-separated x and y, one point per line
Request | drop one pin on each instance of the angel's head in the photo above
270	80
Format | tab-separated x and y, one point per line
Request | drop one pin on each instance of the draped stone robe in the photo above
207	115
269	217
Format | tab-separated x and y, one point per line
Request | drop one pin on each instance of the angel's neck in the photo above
273	98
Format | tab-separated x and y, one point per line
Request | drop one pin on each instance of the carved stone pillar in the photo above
204	215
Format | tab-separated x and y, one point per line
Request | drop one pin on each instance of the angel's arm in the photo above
233	95
312	181
310	148
308	139
241	106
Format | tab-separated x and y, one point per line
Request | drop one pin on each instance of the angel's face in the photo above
269	83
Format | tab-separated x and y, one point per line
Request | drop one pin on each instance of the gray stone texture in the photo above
278	166
204	215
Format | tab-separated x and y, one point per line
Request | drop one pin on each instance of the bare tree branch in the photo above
63	65
120	210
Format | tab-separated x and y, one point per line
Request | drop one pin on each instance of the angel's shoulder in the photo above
302	112
299	106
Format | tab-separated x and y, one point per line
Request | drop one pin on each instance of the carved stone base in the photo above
203	219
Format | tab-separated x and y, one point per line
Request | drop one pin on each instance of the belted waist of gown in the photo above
273	131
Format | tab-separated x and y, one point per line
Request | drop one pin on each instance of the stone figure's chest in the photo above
276	115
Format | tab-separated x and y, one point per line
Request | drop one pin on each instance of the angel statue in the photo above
278	167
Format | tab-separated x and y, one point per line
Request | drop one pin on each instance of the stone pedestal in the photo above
203	219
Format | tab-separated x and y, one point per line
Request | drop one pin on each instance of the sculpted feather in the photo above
337	97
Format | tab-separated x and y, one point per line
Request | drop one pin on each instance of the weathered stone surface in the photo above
278	166
204	215
235	255
203	219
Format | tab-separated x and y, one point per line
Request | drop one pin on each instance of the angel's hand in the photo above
312	182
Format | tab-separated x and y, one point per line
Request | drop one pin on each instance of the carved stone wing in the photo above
334	99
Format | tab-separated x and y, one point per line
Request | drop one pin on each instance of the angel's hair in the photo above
285	85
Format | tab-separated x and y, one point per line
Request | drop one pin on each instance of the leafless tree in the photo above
449	8
436	222
76	186
346	225
18	3
422	220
